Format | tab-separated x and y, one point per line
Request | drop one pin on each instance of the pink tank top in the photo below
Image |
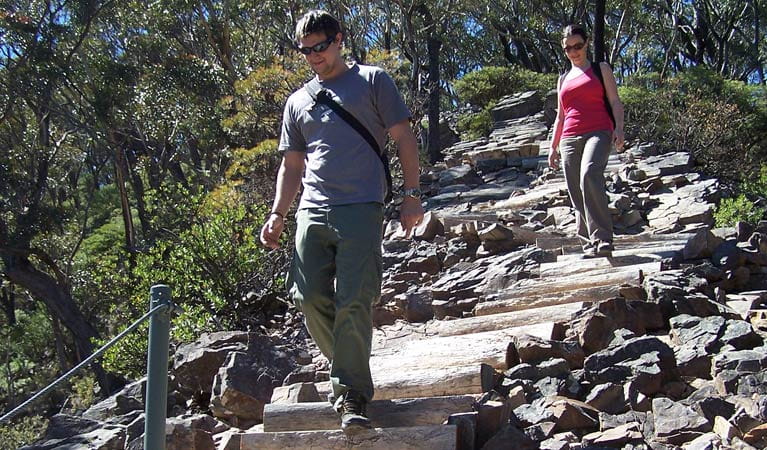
583	105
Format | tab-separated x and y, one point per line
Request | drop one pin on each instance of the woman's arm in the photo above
558	125
611	88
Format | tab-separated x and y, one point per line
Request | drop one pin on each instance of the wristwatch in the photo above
411	192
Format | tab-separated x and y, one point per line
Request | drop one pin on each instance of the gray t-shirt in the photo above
341	168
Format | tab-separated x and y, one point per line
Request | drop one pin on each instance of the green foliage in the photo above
484	87
28	356
22	432
475	125
210	267
723	123
742	208
739	209
82	392
255	109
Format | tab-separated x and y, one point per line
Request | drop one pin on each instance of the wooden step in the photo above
433	437
440	365
592	267
541	321
571	298
620	240
656	250
541	286
383	413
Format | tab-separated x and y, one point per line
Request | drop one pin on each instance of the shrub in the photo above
475	125
742	208
22	432
723	123
484	87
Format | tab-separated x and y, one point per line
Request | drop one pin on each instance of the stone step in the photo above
432	437
394	413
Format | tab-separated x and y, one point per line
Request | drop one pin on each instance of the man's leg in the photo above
358	285
310	280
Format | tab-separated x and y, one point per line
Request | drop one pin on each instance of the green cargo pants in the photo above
334	279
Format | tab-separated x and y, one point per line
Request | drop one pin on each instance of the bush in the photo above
722	123
742	208
475	125
219	274
484	87
22	432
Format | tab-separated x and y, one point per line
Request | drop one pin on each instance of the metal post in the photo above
157	370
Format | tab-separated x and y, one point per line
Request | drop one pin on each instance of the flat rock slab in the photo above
383	413
437	437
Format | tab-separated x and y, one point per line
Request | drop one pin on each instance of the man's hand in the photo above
410	214
554	159
270	232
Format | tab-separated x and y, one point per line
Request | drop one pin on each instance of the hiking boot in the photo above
351	405
605	249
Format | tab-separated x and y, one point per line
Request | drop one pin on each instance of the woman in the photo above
584	133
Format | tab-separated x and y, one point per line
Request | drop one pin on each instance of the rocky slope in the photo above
492	331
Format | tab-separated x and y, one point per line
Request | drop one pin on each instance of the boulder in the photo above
675	423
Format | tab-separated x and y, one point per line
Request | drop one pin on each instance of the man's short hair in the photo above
316	21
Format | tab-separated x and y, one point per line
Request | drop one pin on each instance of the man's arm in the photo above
411	211
288	182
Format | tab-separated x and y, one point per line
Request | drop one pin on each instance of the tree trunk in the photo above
599	31
58	336
59	302
120	175
8	300
434	46
755	42
138	190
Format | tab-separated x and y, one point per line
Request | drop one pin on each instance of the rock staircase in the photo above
494	333
429	377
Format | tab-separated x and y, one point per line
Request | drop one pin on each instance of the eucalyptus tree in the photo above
45	154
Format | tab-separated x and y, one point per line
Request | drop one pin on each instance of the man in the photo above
337	266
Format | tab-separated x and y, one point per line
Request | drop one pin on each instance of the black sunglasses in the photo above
318	48
577	47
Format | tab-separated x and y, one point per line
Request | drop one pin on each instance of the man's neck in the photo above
337	72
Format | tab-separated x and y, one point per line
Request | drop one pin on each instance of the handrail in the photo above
159	302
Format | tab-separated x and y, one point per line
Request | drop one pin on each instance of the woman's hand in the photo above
554	159
618	139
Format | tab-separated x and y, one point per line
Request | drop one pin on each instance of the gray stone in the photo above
675	423
532	349
740	335
696	331
459	175
607	398
510	438
646	360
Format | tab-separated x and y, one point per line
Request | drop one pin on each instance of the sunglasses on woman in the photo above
577	47
317	48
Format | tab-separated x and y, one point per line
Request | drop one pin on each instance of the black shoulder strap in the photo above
323	97
597	69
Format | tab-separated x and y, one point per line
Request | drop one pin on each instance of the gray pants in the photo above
584	159
334	279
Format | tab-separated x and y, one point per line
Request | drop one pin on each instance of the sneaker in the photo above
351	405
590	251
605	249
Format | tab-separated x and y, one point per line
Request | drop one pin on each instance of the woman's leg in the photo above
571	149
596	152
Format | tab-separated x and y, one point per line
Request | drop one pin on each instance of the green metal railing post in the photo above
157	370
